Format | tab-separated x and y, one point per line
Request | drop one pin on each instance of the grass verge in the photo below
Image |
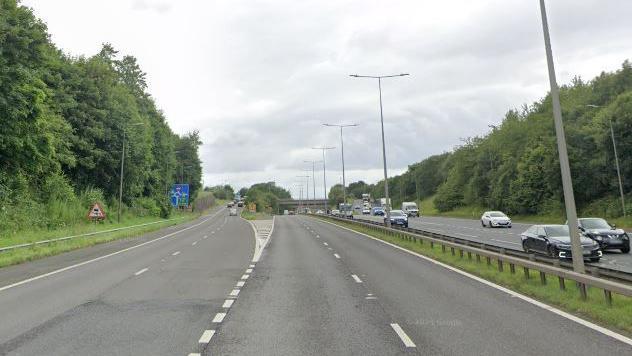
255	216
26	254
618	316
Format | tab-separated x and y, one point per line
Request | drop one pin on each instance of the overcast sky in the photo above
258	78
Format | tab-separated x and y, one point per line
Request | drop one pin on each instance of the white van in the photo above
410	208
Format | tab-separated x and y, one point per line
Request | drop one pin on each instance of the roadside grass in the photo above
26	254
618	316
255	216
473	212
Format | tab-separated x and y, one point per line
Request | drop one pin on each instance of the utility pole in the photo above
324	171
567	184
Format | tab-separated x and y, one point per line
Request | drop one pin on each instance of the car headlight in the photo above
598	237
595	242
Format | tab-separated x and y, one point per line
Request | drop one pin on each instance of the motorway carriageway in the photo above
472	230
318	289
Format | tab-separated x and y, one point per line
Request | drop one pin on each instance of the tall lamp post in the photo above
567	184
313	176
616	161
118	218
324	171
342	149
379	84
307	187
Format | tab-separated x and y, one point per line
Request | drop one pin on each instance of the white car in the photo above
495	219
232	212
366	211
335	212
319	212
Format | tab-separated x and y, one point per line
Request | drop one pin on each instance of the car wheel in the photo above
483	223
510	226
524	247
553	252
626	249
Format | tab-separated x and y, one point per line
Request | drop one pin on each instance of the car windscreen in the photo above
497	215
558	230
396	213
595	224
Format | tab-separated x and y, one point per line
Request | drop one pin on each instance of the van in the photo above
410	209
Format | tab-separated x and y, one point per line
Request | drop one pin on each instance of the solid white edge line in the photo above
32	279
194	354
219	317
141	271
552	309
206	336
228	303
356	278
402	335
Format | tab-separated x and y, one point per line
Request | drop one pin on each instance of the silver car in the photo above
495	219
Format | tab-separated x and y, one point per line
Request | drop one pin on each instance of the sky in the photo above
259	78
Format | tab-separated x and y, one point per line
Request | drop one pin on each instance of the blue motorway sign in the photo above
180	195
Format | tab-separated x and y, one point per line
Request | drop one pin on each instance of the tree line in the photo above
63	123
515	166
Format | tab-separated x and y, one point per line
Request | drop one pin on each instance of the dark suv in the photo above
607	236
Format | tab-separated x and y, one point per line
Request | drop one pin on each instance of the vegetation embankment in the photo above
67	122
256	215
515	166
617	316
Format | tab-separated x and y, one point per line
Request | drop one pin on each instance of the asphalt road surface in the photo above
323	290
154	299
502	237
317	289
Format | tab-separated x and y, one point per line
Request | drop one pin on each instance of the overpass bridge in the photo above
307	203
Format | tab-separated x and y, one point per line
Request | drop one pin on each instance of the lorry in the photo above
410	209
346	210
383	202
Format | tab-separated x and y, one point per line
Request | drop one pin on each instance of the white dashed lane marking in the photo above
175	253
228	303
234	293
240	284
194	243
141	271
326	244
206	336
336	255
249	270
356	278
402	335
245	276
219	317
252	266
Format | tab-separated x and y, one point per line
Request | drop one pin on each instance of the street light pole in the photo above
324	171
118	218
313	176
567	184
616	161
307	188
342	149
379	84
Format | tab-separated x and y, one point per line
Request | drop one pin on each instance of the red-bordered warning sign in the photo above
96	213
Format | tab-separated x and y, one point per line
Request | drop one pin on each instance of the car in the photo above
366	211
292	212
319	212
377	211
232	212
555	241
398	218
240	204
607	236
335	212
230	204
410	208
495	219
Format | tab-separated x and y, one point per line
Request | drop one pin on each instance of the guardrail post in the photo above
431	245
489	260
469	255
443	248
608	296
478	258
460	253
526	272
512	268
582	290
500	265
562	285
542	277
452	251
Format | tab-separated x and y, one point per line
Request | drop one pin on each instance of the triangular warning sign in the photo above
96	212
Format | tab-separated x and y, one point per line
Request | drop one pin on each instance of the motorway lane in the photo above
447	313
301	300
155	299
472	230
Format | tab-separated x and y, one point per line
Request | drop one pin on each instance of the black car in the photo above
555	241
607	236
398	218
